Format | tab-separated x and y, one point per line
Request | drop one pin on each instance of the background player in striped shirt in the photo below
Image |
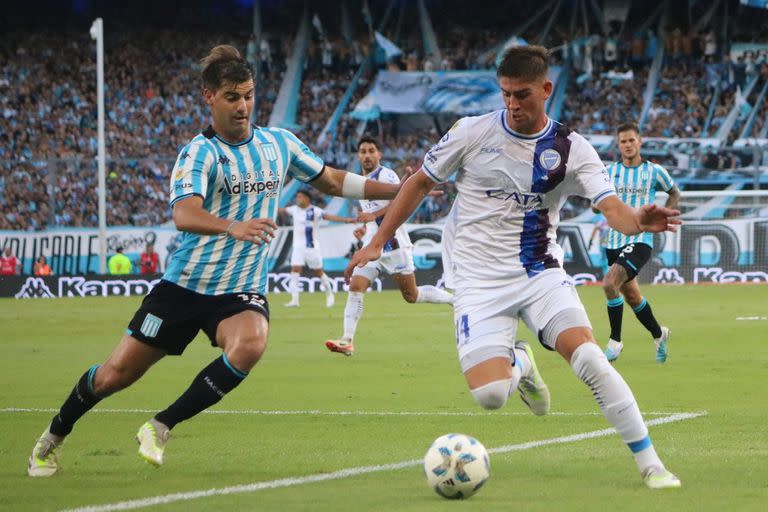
396	260
514	170
636	182
225	188
306	250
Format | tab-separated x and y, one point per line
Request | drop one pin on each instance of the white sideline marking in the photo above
752	318
312	412
349	472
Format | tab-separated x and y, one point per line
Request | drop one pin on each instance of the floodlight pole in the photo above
97	33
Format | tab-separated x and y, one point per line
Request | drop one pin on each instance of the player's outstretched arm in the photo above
189	215
412	192
371	216
631	221
336	182
337	218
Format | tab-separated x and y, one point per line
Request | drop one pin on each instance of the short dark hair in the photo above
224	65
305	192
367	139
627	127
526	62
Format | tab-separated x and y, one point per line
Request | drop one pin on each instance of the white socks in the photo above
352	313
325	284
616	401
522	362
495	394
294	286
433	295
354	308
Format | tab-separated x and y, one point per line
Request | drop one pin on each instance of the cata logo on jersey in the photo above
525	201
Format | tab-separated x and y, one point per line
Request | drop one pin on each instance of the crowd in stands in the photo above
48	126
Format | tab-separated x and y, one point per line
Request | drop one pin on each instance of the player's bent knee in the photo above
410	297
247	352
494	394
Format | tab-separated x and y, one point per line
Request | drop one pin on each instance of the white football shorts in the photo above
399	261
309	256
489	316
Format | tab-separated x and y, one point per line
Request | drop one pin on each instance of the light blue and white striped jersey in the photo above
239	182
636	186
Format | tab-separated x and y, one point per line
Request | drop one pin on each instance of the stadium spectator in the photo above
491	298
149	261
9	264
119	263
217	277
48	114
42	268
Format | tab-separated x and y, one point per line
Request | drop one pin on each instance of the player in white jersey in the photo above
306	219
396	259
636	181
514	170
225	189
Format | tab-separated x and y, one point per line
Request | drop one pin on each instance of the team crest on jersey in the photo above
550	159
270	153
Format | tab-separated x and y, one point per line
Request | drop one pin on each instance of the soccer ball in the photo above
456	466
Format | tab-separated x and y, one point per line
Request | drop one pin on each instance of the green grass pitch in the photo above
402	389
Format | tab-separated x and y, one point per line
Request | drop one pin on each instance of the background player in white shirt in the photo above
306	219
636	182
396	260
515	168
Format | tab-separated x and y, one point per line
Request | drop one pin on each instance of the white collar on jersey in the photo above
523	135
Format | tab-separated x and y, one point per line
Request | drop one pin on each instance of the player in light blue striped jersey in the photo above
636	182
225	188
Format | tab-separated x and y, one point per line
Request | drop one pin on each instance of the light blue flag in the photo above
391	50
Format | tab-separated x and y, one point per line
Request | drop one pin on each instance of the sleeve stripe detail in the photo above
602	195
313	178
430	174
177	199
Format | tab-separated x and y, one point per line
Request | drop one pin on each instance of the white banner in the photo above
458	92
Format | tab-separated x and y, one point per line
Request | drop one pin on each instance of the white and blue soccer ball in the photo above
456	466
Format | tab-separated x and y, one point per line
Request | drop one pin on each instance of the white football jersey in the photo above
511	188
401	238
306	223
